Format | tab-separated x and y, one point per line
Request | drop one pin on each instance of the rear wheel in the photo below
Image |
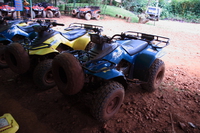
107	101
88	16
49	14
17	58
3	63
14	15
43	76
74	13
68	74
155	76
32	13
44	14
79	15
97	16
58	14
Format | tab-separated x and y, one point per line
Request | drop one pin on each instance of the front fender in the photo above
108	74
5	41
10	33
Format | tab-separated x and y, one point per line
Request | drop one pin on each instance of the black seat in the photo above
134	46
73	34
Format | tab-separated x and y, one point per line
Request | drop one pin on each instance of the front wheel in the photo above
88	16
17	58
42	75
107	101
3	63
58	14
155	76
68	74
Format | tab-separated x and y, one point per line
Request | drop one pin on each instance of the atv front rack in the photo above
98	65
154	40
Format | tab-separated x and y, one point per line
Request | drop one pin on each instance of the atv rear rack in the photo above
154	40
83	25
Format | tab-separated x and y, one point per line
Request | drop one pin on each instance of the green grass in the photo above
112	11
108	10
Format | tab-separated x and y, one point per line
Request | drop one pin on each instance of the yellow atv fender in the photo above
77	44
8	124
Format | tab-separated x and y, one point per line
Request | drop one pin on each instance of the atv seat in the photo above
134	46
73	34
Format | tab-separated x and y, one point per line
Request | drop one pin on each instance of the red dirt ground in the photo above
174	107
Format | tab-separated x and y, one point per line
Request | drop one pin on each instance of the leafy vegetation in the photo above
184	10
106	10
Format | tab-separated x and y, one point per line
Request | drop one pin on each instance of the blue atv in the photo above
14	31
129	57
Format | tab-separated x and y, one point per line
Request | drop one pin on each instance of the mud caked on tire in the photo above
3	63
107	101
68	74
42	75
17	58
155	76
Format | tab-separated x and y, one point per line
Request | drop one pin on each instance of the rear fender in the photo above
144	61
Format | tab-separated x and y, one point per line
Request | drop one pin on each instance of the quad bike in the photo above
7	11
13	31
109	66
87	12
37	11
8	124
41	51
51	11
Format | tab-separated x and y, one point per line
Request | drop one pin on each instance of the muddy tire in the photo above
42	75
17	58
107	101
49	14
58	14
3	63
155	76
68	74
88	16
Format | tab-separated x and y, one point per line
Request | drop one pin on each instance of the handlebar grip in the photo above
60	24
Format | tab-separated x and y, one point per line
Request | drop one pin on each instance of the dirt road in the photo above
175	107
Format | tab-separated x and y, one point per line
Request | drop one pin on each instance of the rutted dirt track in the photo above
175	107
